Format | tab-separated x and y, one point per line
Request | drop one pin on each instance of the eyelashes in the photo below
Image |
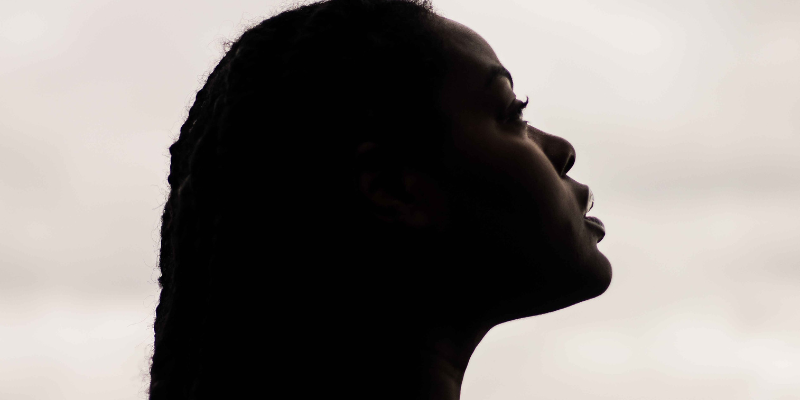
515	111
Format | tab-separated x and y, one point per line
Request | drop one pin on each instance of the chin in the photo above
602	276
568	295
591	282
586	291
595	280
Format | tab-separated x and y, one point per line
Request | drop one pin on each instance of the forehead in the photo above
470	57
463	42
471	62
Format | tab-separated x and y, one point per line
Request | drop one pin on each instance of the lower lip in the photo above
597	226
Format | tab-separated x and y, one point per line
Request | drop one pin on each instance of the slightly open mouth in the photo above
597	226
594	223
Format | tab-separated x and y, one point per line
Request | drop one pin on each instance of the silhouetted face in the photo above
510	198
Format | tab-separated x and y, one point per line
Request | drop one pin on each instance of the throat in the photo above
446	355
444	378
421	365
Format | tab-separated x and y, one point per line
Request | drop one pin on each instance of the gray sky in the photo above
685	116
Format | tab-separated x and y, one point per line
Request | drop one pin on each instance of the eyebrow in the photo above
497	71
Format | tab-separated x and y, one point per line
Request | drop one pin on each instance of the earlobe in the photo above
391	190
384	205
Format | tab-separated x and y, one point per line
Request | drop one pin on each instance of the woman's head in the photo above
351	161
508	183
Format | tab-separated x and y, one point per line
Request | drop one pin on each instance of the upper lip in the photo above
589	201
584	194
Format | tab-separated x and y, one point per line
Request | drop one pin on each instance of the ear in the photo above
396	193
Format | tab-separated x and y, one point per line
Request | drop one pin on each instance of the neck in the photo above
403	362
416	343
446	351
446	357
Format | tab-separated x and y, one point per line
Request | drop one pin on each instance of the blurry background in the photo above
685	116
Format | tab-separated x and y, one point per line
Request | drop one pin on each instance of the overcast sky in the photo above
686	120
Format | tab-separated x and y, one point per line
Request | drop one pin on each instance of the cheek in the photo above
547	195
513	174
519	165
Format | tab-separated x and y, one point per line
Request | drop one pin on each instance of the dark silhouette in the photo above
355	201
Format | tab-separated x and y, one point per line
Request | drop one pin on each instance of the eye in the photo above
514	114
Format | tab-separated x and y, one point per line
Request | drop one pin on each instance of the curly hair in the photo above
262	190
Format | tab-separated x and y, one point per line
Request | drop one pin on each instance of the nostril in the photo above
558	150
568	165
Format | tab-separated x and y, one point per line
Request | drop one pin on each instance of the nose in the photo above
558	150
